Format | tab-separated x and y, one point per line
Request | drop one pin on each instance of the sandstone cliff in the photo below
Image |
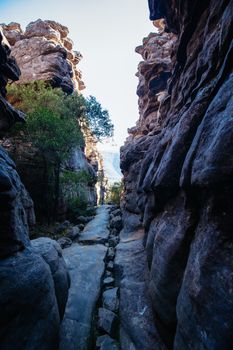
177	165
45	52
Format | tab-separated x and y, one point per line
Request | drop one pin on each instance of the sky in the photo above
106	32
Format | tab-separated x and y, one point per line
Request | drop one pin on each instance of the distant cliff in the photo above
177	165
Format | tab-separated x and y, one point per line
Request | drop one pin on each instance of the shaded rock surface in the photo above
177	167
105	342
137	329
29	304
86	266
107	321
51	252
110	299
29	317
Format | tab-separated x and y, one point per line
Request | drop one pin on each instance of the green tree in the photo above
55	125
98	119
52	127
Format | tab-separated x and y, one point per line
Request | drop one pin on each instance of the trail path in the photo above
85	261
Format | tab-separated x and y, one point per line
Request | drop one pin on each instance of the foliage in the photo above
31	95
114	193
98	119
88	112
53	135
54	127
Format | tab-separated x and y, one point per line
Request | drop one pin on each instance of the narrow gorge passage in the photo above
90	266
128	249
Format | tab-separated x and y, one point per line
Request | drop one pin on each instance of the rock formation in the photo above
34	281
177	165
44	52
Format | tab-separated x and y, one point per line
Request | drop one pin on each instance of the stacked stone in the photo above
108	313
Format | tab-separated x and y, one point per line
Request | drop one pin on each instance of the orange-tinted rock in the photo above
44	52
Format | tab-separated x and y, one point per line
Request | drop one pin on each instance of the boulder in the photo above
29	315
108	282
51	252
107	322
177	165
104	342
111	299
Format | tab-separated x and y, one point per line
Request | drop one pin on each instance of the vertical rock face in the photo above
183	152
15	203
153	73
29	302
44	52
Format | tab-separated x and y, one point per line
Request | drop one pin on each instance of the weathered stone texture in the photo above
183	153
29	302
44	52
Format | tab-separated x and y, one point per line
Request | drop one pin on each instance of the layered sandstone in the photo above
45	52
183	192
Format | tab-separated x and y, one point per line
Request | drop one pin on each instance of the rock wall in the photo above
177	166
44	52
34	280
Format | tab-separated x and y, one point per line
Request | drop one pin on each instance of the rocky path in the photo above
91	310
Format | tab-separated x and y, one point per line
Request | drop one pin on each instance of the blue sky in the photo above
106	32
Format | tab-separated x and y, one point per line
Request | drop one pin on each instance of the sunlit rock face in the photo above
153	73
184	188
44	52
